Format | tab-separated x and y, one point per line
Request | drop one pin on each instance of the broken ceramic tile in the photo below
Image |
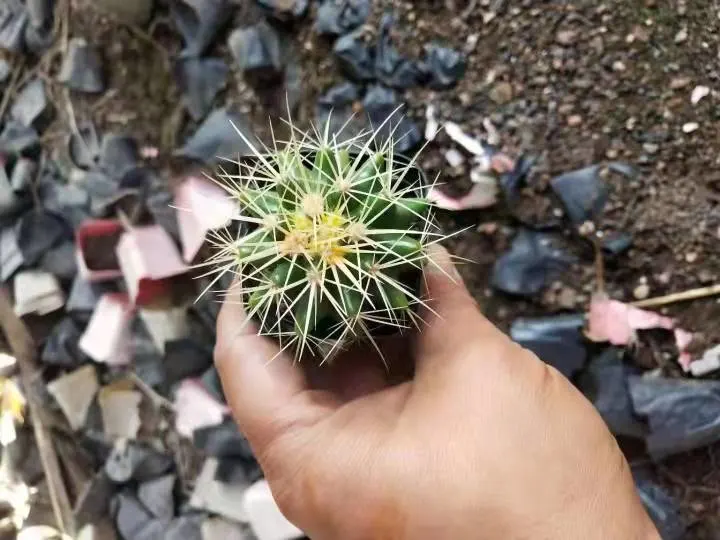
200	80
165	325
709	362
31	107
84	147
354	57
157	496
37	292
74	393
682	414
217	138
391	68
605	385
81	69
217	497
23	175
60	261
479	196
186	358
336	17
201	207
582	192
199	22
285	11
106	338
118	155
11	258
218	527
387	115
84	297
61	346
471	144
37	232
96	241
120	412
148	259
663	509
134	521
195	408
223	440
185	527
19	139
136	461
556	340
264	516
258	54
444	66
530	263
14	18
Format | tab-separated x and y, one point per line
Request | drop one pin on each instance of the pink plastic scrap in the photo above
479	196
107	336
201	207
148	258
195	408
96	228
617	322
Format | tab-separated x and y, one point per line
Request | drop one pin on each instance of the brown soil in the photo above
620	73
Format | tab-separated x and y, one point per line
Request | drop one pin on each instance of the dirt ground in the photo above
575	83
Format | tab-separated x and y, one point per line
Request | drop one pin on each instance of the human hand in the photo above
482	441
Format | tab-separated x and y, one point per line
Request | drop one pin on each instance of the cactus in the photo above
333	240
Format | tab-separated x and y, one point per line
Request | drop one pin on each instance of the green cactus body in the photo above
334	241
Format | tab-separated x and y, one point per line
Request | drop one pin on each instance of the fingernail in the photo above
442	262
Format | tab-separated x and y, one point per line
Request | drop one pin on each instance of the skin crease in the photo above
480	440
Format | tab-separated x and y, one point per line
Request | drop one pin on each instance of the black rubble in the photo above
529	265
557	340
31	107
200	80
82	69
391	68
336	17
354	57
118	154
582	192
199	22
258	54
682	414
14	19
136	461
217	137
444	66
285	11
84	147
663	509
19	139
186	357
387	116
61	348
37	232
158	496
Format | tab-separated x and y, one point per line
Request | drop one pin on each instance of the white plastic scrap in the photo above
431	126
265	518
709	362
454	157
37	292
470	144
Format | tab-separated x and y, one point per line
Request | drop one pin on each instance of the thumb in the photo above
452	316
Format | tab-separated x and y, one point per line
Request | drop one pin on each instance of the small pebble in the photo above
679	82
698	93
566	37
690	127
618	66
501	93
574	120
651	148
691	256
681	36
642	291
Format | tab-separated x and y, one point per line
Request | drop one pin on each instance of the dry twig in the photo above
692	294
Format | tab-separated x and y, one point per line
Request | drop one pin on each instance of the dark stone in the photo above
70	201
238	470
285	11
662	508
556	340
217	138
387	117
60	261
211	382
582	192
37	232
93	501
81	69
31	107
11	258
84	147
200	80
84	296
682	414
186	358
336	17
38	40
530	263
134	521
617	243
199	22
391	68
354	57
118	155
19	139
157	496
159	204
5	69
605	384
11	202
336	105
222	440
61	347
187	527
148	362
13	20
40	12
258	53
444	66
513	181
136	461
